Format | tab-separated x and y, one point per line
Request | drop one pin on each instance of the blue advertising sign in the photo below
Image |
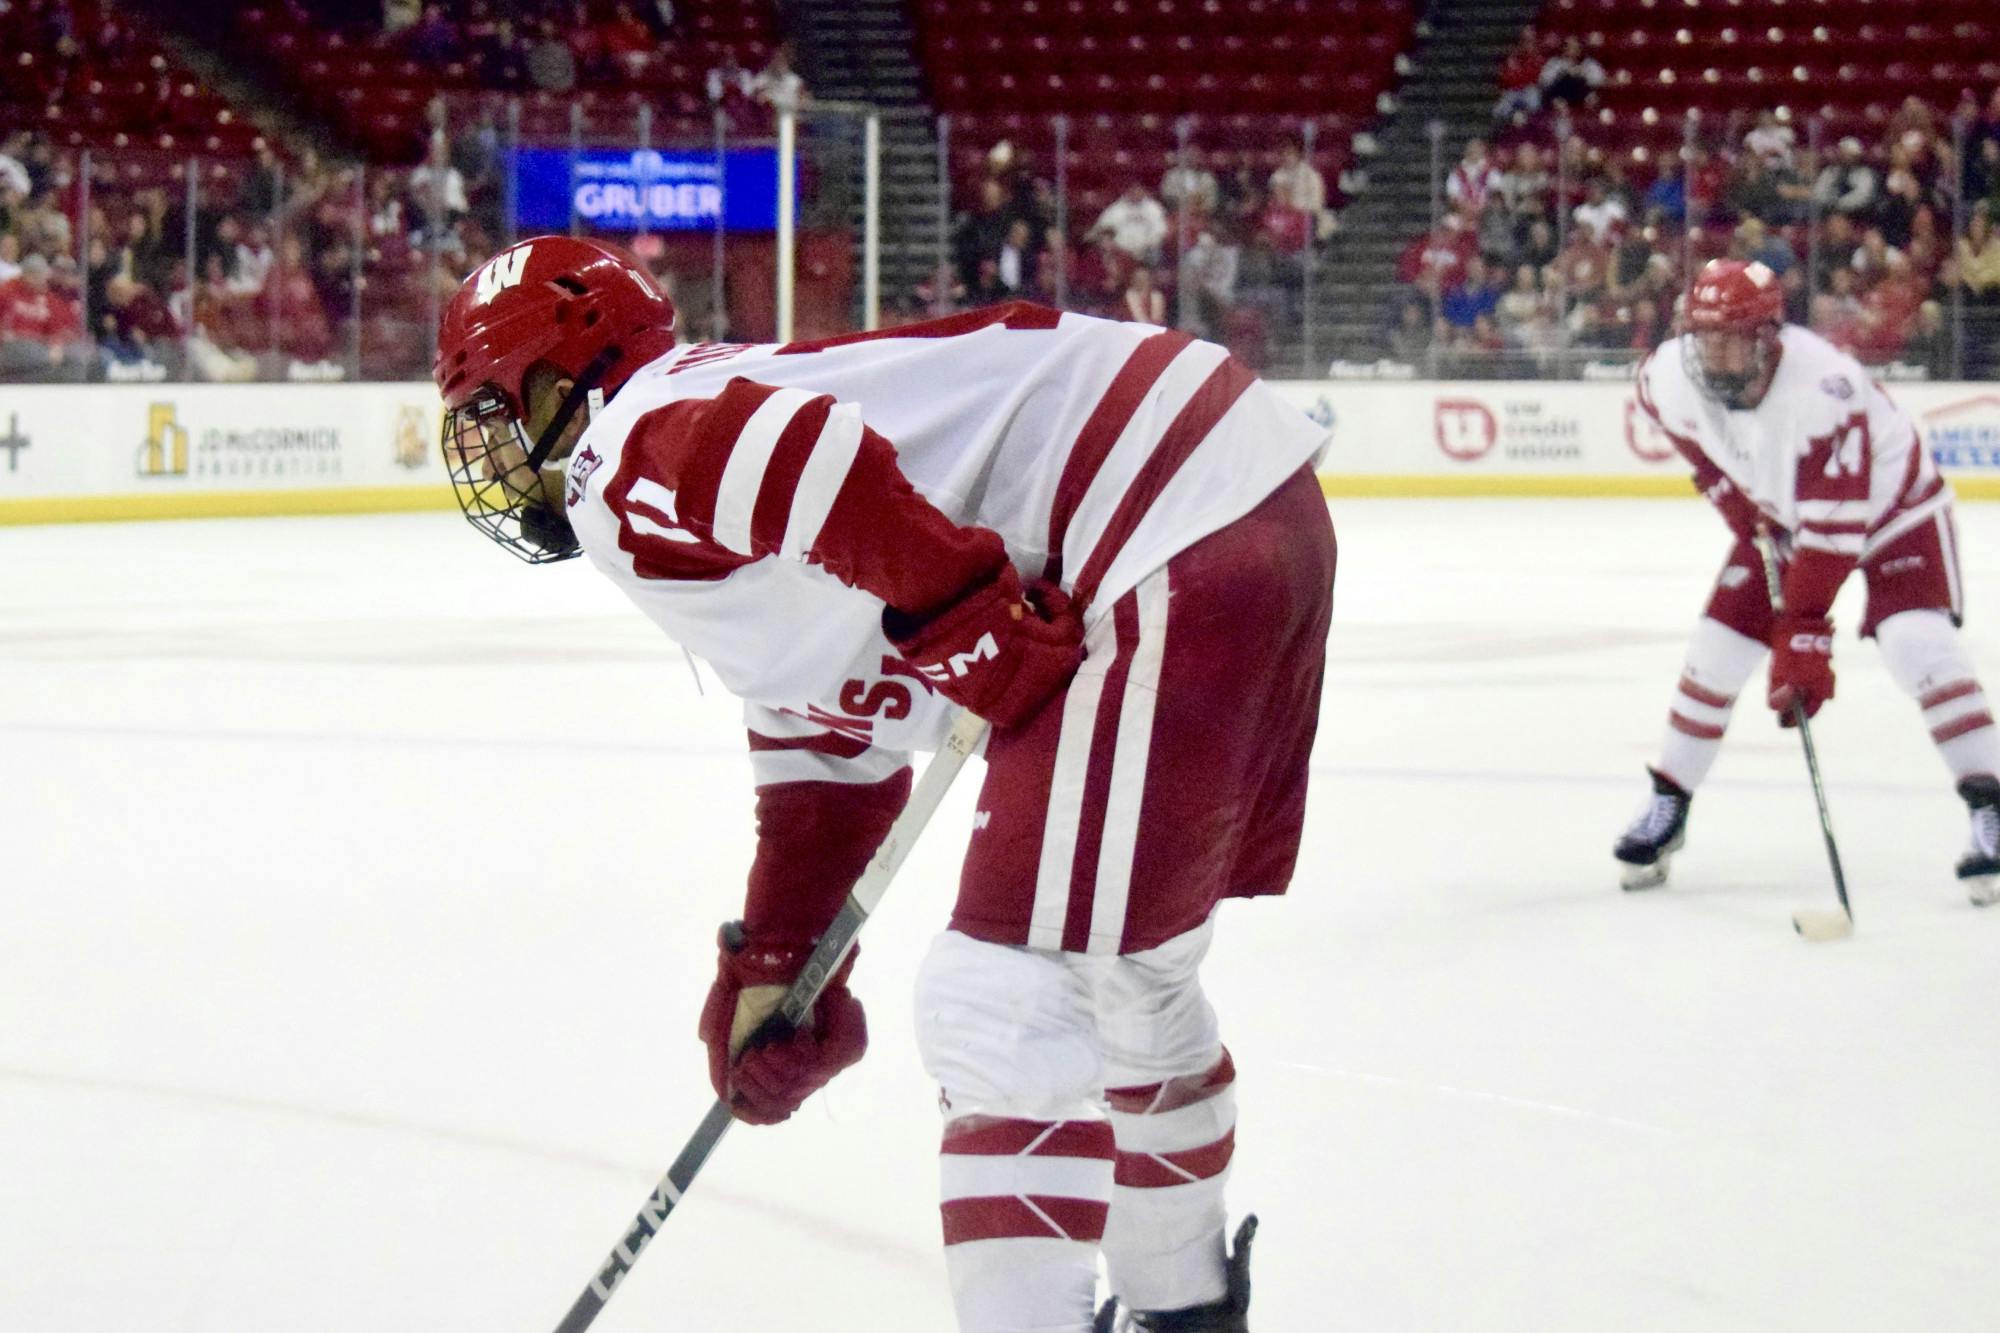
624	190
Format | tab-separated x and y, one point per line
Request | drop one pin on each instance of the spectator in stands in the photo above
39	327
433	39
1754	241
1499	242
1871	258
1752	192
1982	171
136	328
1570	76
1297	214
1600	214
1526	185
1014	262
551	62
10	256
1771	141
251	256
15	183
1243	195
1833	245
1668	192
1142	302
1435	262
1474	178
1847	185
1539	246
1523	308
1409	336
1929	346
1133	224
1978	255
1519	79
979	234
778	85
627	41
1191	181
1902	196
1475	296
1208	278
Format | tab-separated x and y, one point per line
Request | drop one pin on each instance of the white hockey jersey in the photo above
1095	450
1825	456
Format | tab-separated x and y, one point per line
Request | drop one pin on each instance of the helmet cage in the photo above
496	474
497	471
1722	386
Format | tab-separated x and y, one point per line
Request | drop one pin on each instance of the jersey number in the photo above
1836	464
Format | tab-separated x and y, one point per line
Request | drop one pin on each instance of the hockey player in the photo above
1789	434
1104	538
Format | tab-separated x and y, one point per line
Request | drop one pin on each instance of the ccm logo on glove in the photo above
961	664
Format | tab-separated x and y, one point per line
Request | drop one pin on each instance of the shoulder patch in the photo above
580	468
1839	386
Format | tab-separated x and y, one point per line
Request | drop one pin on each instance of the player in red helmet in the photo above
1106	539
1787	433
1734	314
529	342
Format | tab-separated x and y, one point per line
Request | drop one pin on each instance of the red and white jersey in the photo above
1095	450
1826	456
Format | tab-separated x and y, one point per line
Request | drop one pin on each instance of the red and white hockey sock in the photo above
1164	1243
1719	661
1024	1204
1926	655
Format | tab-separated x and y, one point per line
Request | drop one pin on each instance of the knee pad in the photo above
1007	1032
1923	650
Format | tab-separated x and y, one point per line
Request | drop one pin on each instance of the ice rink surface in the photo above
359	887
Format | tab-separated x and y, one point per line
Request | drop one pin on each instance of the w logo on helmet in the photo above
505	271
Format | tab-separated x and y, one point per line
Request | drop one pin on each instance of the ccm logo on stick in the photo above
1812	643
961	664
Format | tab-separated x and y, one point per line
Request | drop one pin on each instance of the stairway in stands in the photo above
1457	59
865	51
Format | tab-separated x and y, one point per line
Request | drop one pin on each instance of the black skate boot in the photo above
1655	835
1979	868
1231	1314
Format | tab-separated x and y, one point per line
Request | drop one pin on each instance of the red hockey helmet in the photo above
587	311
1733	317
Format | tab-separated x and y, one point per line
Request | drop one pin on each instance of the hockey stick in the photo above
1816	924
826	958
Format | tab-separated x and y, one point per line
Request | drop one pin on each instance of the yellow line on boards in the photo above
227	504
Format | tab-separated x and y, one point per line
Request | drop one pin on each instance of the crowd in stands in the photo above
1552	247
1216	246
286	266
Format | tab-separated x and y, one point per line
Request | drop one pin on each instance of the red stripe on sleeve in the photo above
1129	387
781	475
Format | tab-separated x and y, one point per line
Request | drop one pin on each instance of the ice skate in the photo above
1228	1315
1655	835
1979	868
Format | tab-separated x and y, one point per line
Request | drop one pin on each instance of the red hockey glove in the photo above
1801	664
768	1081
999	650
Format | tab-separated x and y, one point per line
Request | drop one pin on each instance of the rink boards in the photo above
182	451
